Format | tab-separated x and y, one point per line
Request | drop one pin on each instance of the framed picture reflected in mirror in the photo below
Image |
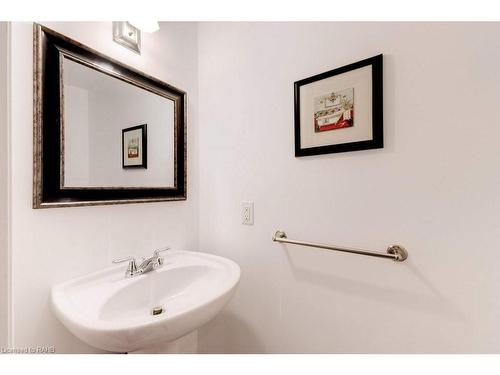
135	147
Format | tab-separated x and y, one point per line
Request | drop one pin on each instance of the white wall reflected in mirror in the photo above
97	107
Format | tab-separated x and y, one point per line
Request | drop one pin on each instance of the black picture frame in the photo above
49	190
144	150
377	141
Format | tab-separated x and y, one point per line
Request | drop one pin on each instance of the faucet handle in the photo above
158	251
126	259
132	265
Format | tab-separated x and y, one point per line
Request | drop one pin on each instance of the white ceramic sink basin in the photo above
111	312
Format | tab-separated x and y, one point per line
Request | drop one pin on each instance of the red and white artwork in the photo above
334	110
133	148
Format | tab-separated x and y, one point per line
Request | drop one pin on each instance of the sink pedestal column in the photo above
187	344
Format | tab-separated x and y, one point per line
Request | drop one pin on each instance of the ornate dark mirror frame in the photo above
49	48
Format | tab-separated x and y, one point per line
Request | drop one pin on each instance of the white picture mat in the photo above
361	81
137	133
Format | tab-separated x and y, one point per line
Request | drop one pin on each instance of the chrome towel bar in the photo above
395	252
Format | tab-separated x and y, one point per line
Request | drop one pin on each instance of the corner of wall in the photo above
5	255
10	325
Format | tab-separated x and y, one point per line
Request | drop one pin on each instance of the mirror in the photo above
104	132
100	142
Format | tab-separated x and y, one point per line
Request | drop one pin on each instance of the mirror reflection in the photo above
116	134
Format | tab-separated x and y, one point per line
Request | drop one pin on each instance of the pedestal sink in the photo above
111	312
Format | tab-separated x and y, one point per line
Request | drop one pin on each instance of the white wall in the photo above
3	186
433	189
53	245
76	136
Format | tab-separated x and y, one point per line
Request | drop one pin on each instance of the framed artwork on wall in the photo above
340	110
135	147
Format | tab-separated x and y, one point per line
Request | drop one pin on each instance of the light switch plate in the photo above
247	213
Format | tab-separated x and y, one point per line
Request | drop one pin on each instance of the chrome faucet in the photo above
147	264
